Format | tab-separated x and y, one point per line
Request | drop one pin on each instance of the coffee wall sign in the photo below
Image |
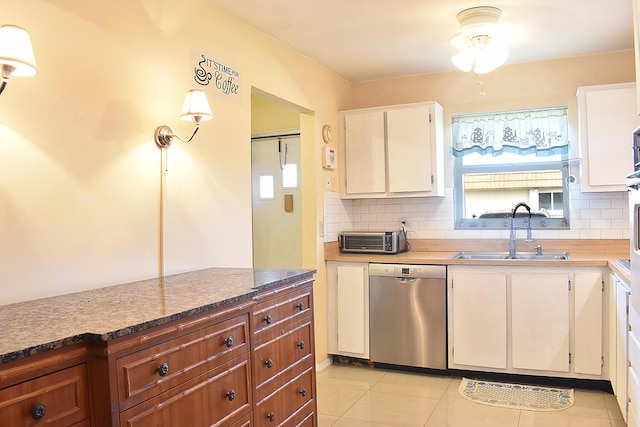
212	73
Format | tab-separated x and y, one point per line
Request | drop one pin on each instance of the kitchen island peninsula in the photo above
221	346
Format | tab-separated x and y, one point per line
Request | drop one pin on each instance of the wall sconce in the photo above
195	108
16	54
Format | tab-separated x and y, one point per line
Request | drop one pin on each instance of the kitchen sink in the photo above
530	256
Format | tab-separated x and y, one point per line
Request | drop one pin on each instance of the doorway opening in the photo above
281	202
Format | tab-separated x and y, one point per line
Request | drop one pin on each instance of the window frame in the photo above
461	223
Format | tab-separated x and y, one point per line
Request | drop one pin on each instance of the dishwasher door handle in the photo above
406	279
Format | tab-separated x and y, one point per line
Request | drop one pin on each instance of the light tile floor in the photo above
365	397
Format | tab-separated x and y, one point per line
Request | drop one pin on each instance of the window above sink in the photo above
504	158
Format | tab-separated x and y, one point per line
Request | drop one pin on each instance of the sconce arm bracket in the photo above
164	136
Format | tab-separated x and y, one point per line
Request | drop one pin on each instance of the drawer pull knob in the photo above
231	395
303	392
268	319
163	369
300	306
269	363
38	411
271	416
301	345
229	342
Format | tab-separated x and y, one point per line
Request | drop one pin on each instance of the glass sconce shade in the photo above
196	107
16	53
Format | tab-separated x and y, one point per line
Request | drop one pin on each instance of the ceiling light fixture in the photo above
481	51
16	54
195	108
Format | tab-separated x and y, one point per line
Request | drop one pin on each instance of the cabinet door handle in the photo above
301	345
229	342
269	363
303	392
300	306
163	369
268	319
231	394
38	411
271	416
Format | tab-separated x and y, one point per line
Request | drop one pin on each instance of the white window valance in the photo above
541	131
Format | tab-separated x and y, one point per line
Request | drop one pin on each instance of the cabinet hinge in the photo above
429	117
569	285
602	361
603	286
432	179
569	358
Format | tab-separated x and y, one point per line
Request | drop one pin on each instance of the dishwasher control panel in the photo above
404	270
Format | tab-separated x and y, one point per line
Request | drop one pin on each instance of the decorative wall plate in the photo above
327	133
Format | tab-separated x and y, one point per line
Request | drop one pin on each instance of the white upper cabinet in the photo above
607	117
394	151
365	152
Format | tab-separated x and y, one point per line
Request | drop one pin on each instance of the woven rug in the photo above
516	396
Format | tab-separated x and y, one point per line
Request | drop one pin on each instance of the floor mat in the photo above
516	396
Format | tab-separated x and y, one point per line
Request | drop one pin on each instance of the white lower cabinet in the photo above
348	308
479	321
534	321
633	388
619	343
540	321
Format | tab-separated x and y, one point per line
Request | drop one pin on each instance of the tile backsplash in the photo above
592	216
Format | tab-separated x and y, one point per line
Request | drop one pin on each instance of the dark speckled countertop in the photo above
32	327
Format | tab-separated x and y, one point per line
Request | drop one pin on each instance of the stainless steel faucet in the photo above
512	234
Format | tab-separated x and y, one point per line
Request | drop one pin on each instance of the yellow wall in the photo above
268	116
80	175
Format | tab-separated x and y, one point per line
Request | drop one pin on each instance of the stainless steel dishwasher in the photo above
407	315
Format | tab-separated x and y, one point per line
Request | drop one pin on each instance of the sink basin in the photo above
530	256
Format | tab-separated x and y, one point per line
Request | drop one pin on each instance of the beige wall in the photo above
80	176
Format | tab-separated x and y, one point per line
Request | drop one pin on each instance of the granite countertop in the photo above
32	327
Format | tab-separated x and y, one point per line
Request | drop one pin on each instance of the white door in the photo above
588	322
353	310
622	348
540	321
409	149
275	183
365	152
479	316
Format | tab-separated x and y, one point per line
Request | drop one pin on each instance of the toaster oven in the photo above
373	242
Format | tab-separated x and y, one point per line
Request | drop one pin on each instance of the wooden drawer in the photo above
246	421
269	315
61	397
274	359
310	420
149	372
220	397
289	404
